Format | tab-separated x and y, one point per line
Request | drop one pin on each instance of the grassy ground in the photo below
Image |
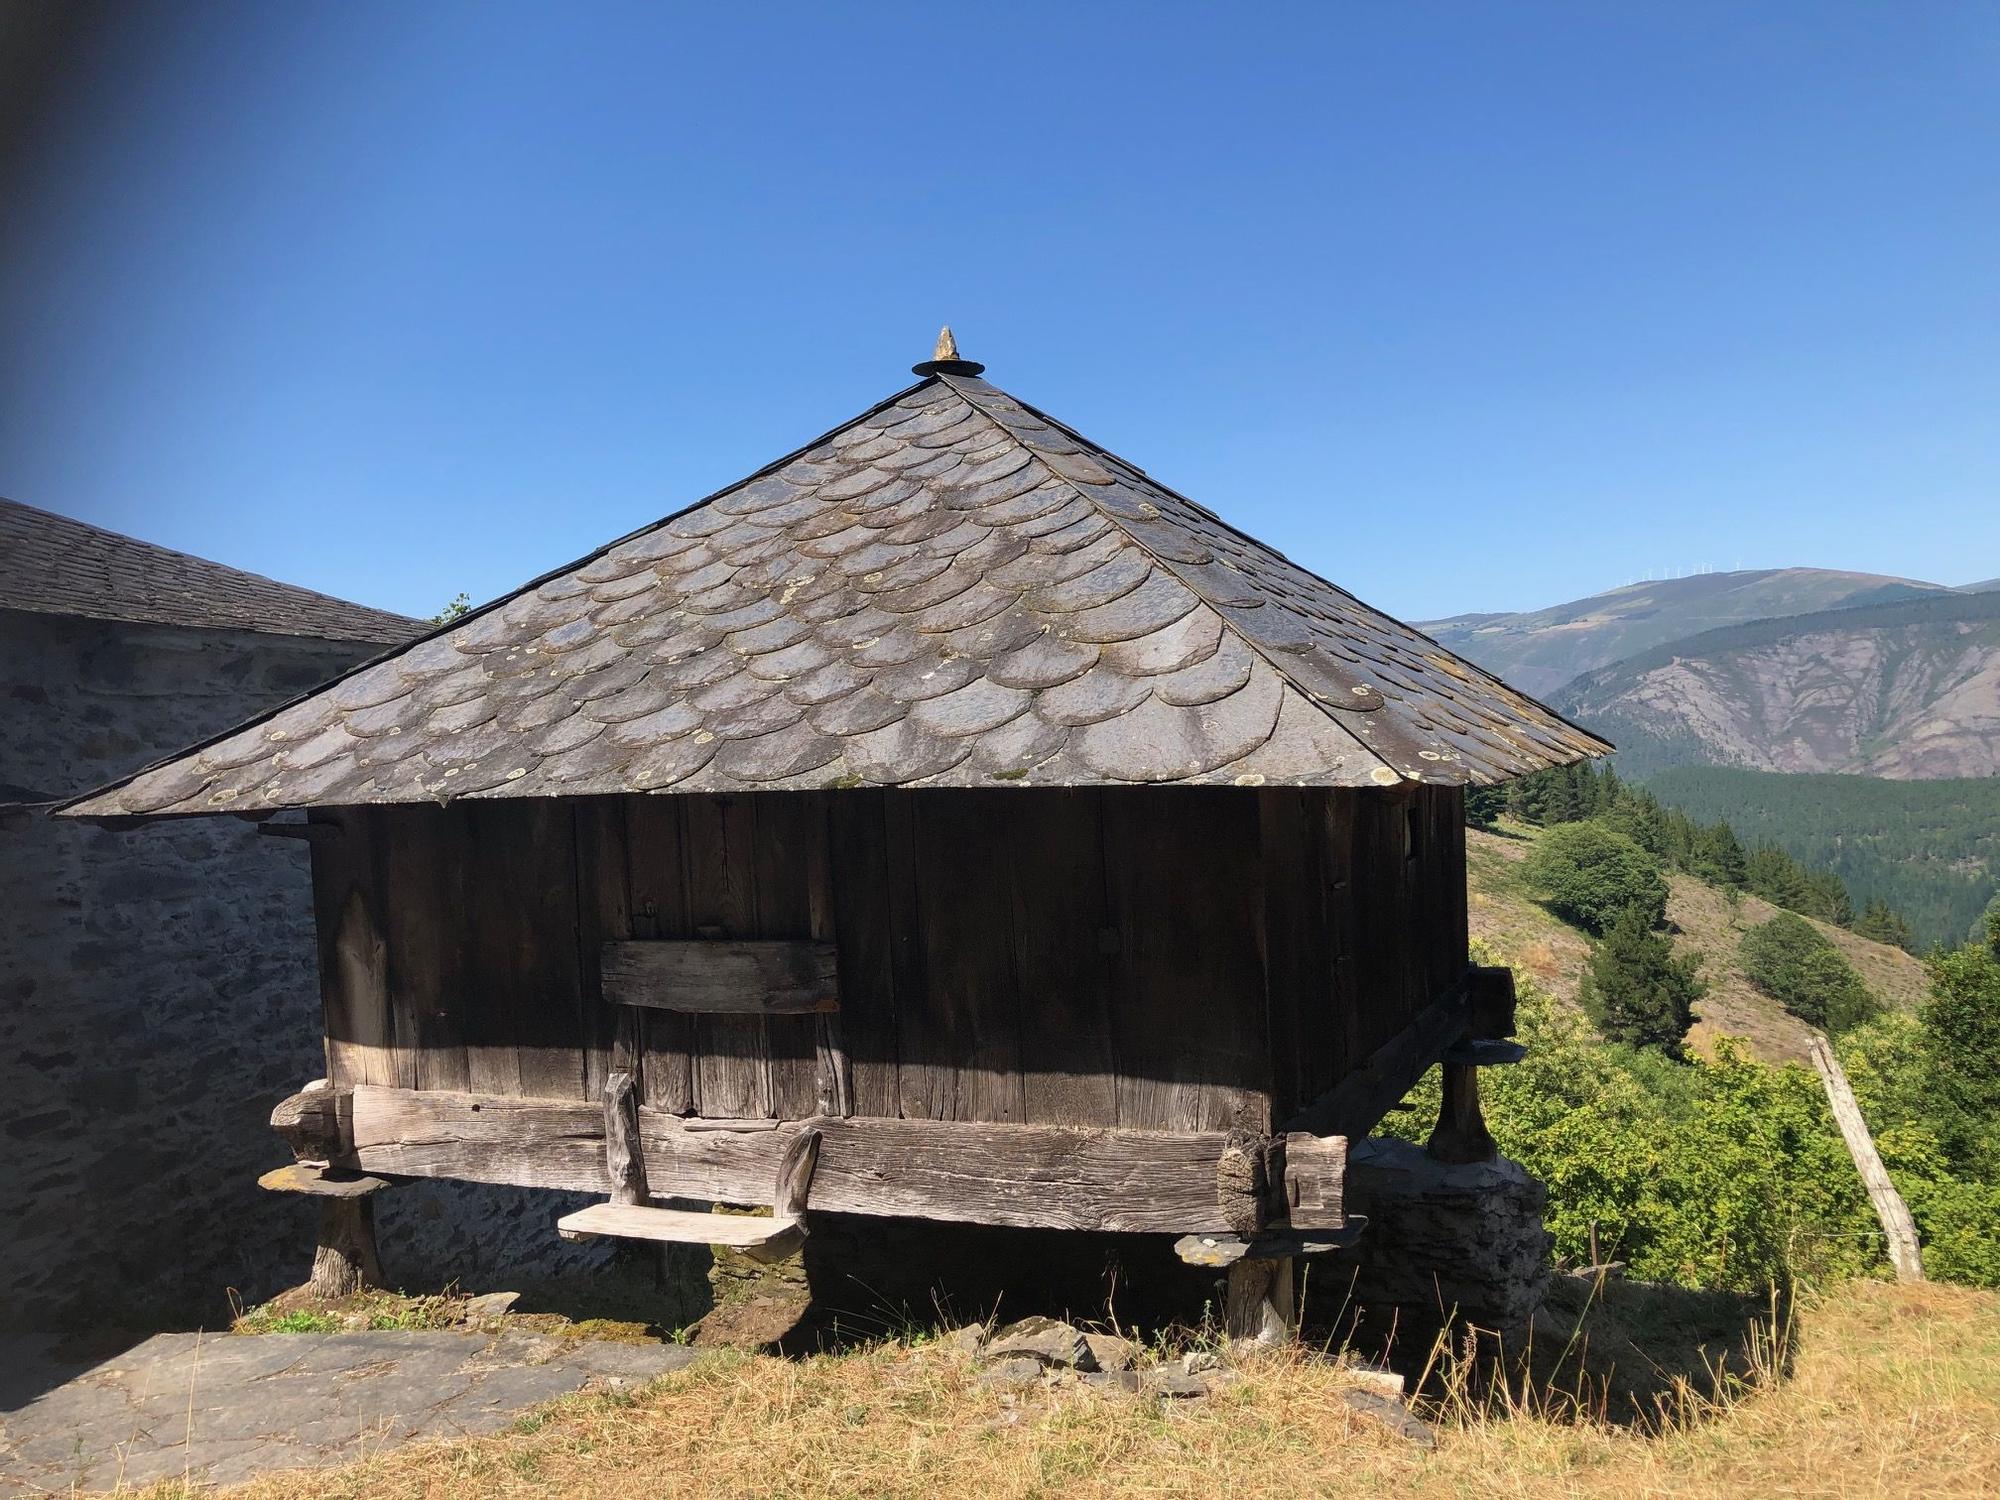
1518	932
1890	1391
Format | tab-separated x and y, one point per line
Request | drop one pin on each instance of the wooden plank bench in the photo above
678	1226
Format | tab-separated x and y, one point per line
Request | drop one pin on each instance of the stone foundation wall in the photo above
158	995
1443	1243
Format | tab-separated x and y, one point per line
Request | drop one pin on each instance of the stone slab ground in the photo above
221	1408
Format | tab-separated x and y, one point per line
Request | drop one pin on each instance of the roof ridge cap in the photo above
1256	648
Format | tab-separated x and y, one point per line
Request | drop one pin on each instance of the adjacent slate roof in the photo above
951	590
54	565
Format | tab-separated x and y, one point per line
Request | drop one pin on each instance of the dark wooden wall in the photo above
1171	958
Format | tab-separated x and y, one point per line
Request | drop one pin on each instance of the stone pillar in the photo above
1446	1243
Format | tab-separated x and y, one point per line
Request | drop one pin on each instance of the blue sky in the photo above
1465	306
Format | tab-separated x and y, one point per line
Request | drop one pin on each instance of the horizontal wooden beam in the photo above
1028	1176
723	977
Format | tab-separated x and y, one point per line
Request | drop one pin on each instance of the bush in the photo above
1588	873
1726	1174
1789	960
1636	990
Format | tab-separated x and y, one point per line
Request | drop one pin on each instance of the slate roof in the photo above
950	590
54	565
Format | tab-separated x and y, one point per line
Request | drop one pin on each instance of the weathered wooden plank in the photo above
657	905
859	881
676	1226
612	1033
1296	963
914	1087
961	1052
722	977
1334	1049
833	1073
423	880
731	1065
1054	853
1031	1176
789	828
1187	998
353	951
524	1023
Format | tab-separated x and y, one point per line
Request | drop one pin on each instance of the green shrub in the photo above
1588	873
1636	990
1789	960
1725	1174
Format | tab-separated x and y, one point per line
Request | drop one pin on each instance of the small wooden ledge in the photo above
1275	1244
322	1182
1483	1054
677	1226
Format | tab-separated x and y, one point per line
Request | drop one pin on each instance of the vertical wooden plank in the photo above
423	861
834	1075
1294	940
657	907
914	1085
1183	874
603	912
1337	883
1053	846
732	1070
353	950
789	829
524	1022
858	859
968	1034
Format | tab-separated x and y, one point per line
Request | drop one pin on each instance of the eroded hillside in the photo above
1909	691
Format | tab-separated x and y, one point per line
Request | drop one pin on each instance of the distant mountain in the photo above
1908	689
1991	585
1540	650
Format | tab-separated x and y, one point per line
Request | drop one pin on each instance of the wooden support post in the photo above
1259	1304
1905	1254
624	1162
345	1260
1461	1134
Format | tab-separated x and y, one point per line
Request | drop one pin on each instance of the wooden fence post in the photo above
1897	1225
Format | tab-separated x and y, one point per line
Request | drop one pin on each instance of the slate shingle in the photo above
953	589
56	565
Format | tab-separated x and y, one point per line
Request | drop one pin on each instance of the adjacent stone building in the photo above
157	990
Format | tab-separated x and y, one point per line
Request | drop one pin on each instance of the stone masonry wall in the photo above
158	995
1444	1244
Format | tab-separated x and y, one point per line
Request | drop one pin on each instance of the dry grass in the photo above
1711	925
1892	1391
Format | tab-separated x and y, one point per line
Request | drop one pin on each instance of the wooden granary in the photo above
946	821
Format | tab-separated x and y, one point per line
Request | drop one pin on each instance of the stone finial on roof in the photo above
944	359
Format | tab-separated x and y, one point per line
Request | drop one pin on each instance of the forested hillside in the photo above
1929	849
